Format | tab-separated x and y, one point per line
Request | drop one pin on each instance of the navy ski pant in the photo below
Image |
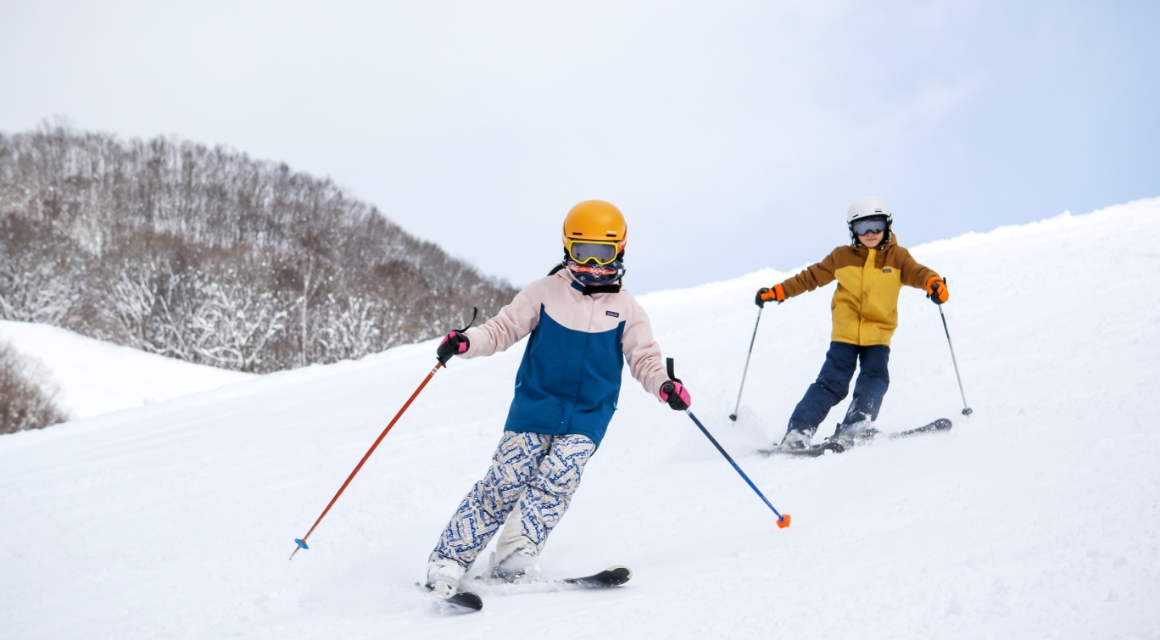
833	384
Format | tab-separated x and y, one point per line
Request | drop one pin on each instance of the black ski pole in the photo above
966	409
745	371
782	520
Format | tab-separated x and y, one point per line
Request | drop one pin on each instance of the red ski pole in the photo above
302	541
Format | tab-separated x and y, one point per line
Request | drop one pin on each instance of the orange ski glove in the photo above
765	294
936	290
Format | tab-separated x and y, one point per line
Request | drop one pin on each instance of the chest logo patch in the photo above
612	313
886	270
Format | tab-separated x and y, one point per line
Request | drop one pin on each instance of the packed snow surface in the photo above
95	377
1036	517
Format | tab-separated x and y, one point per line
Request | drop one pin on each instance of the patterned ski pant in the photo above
540	473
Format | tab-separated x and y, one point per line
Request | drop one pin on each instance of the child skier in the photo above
870	272
582	327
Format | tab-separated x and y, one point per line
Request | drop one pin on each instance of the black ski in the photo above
613	576
941	424
462	601
812	451
829	445
610	577
467	601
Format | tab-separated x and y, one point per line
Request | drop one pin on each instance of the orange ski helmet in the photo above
595	221
594	236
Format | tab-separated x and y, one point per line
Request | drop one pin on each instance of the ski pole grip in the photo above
443	360
669	369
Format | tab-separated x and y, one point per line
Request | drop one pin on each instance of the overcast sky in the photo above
732	134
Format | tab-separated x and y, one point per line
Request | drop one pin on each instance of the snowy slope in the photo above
1035	517
97	377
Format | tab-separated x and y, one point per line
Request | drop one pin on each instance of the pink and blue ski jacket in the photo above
569	379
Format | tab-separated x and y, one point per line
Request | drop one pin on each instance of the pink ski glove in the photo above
454	343
675	393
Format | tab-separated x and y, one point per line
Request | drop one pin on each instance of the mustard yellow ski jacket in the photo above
865	305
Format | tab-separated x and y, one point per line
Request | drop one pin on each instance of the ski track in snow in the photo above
1035	517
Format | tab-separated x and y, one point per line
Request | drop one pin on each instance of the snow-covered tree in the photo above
352	328
148	243
238	325
27	397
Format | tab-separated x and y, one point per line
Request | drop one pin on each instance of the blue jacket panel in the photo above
568	381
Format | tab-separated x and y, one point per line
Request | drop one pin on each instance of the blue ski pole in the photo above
782	520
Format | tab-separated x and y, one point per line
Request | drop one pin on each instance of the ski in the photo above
610	577
829	445
812	451
941	424
613	576
465	601
460	601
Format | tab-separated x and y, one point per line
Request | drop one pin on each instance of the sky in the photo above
733	135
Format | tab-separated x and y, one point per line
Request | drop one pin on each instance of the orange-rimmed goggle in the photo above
584	251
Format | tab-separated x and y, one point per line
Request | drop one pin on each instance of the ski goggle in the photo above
876	224
583	251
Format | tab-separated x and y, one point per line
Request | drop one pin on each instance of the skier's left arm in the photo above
925	278
644	361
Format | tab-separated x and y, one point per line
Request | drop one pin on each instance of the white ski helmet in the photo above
868	207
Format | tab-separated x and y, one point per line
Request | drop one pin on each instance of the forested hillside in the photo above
210	256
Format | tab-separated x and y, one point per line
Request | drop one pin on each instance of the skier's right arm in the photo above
818	275
509	326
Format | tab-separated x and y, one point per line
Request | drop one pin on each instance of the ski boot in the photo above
796	439
851	434
520	566
444	579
